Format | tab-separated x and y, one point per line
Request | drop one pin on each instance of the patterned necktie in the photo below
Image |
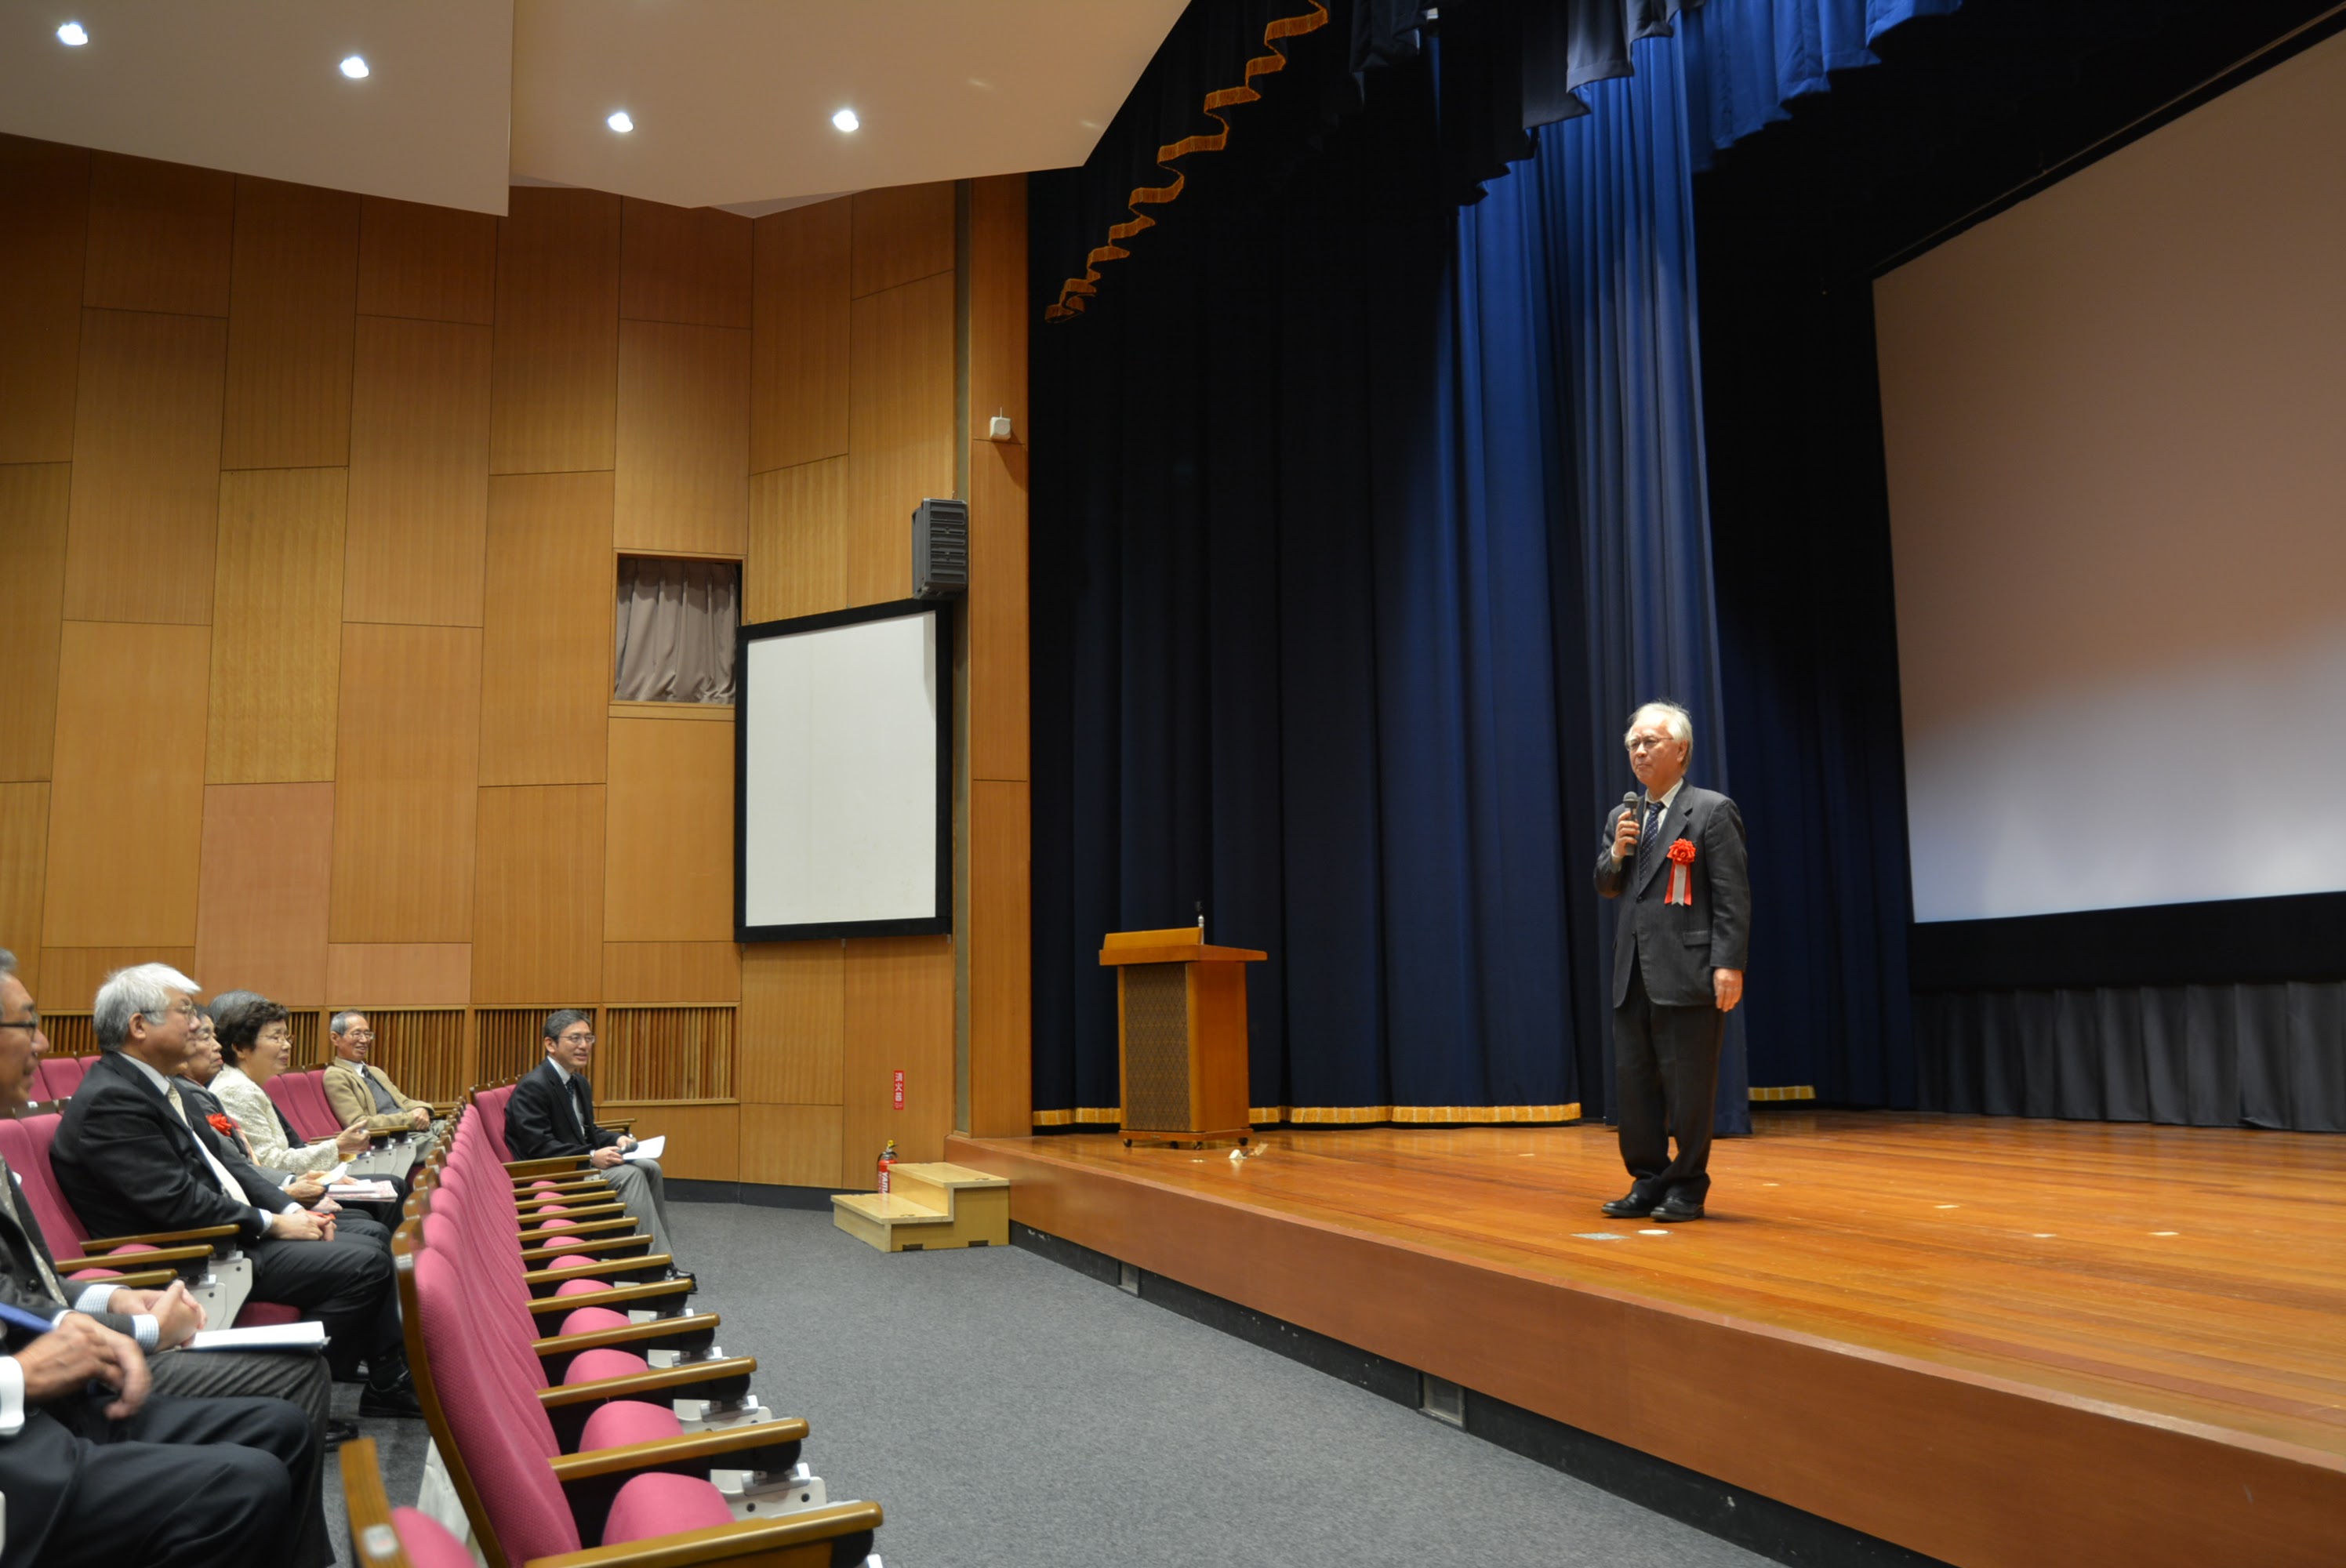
9	1201
1646	832
578	1106
219	1172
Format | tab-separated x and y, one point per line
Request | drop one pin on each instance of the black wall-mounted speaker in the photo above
940	549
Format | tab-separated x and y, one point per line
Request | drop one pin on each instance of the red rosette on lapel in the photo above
1681	887
224	1125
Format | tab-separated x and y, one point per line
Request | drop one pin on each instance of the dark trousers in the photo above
347	1284
1665	1077
183	1483
298	1377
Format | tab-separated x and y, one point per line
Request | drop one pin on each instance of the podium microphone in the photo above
1201	919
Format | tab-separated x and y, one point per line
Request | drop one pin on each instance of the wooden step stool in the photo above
928	1208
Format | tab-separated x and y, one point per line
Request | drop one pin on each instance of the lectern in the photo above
1181	1035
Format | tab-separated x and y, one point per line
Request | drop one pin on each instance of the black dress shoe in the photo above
1629	1205
398	1399
1674	1207
340	1431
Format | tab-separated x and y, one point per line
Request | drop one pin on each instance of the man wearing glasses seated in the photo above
355	1089
552	1115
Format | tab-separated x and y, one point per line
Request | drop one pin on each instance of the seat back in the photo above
25	1144
312	1117
58	1077
490	1104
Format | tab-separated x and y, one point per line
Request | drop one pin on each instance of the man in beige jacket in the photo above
354	1089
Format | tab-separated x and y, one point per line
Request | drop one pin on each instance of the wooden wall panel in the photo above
125	817
797	563
434	262
1001	959
159	236
899	1015
405	791
669	863
276	632
70	976
998	308
798	396
146	484
794	1023
537	918
996	608
684	439
703	1141
260	915
545	639
34	501
684	264
397	974
44	192
292	303
671	972
900	428
794	1146
902	232
419	472
24	855
557	349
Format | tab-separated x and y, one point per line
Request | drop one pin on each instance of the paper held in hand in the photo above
307	1335
649	1149
356	1191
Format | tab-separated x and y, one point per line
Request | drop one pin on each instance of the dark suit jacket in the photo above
538	1123
1676	946
21	1285
128	1165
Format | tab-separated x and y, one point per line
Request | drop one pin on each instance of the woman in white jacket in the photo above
256	1044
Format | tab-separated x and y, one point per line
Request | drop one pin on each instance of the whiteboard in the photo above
842	814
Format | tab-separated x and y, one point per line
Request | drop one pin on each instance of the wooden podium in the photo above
1181	1035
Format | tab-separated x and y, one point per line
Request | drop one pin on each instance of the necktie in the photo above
578	1106
219	1172
1646	832
8	1202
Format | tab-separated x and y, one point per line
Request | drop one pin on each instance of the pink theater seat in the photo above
659	1504
427	1542
313	1118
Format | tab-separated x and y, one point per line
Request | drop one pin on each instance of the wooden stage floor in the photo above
1993	1341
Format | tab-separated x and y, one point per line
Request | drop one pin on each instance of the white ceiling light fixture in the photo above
621	121
71	36
845	120
355	66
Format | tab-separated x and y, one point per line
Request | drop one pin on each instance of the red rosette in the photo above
1682	852
222	1124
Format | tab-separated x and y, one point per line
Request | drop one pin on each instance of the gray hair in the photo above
8	964
142	991
1675	719
556	1022
339	1023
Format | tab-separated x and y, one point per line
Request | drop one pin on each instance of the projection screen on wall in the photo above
843	806
2115	419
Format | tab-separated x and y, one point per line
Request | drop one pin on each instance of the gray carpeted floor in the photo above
1006	1410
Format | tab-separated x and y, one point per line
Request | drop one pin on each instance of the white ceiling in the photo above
732	99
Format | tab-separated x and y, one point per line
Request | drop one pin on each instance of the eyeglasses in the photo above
1649	742
360	1034
30	1024
577	1040
187	1010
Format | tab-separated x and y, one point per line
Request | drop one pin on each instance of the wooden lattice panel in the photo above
70	1033
508	1041
1155	1047
421	1050
665	1053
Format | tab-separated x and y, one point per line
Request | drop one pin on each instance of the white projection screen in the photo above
2115	419
844	805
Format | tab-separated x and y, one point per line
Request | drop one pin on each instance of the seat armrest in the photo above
579	1212
164	1237
531	1255
148	1280
654	1263
709	1447
160	1255
616	1296
530	1237
546	1166
581	1182
787	1541
692	1326
660	1384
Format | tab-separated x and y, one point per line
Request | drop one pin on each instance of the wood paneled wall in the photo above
312	504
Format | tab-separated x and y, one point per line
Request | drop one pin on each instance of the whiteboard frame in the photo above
940	919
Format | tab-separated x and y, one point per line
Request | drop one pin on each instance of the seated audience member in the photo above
307	1188
95	1434
133	1157
552	1115
255	1045
355	1089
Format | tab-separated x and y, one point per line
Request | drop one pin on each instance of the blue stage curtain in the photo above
1754	58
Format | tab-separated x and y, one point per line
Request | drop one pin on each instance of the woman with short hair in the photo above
256	1044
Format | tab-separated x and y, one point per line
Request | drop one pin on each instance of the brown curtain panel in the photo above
676	626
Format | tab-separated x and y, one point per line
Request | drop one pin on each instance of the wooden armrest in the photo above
546	1166
579	1182
692	1325
616	1297
530	1237
804	1534
149	1280
160	1255
691	1448
655	1386
600	1270
602	1209
367	1506
202	1233
530	1255
616	1124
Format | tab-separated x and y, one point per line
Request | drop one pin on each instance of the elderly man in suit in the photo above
132	1156
84	1472
357	1089
552	1115
1675	860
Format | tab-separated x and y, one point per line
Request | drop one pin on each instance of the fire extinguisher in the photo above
887	1159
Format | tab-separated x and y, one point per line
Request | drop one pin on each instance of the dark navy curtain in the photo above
1754	58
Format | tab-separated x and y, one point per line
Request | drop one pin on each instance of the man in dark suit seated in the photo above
111	1477
552	1115
133	1157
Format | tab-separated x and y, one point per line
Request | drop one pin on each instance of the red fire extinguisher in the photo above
887	1159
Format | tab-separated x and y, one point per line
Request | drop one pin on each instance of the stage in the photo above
1993	1341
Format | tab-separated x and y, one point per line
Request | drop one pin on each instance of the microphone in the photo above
1632	804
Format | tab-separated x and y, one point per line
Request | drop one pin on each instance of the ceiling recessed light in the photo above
845	120
355	66
71	36
620	121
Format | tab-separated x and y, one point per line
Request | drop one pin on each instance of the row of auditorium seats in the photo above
582	1408
54	1078
301	1096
